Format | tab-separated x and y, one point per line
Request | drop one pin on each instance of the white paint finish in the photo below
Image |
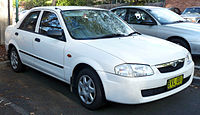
102	55
131	87
51	50
140	49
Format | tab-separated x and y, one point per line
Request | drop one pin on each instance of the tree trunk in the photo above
54	2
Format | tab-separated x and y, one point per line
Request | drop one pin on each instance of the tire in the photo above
181	43
90	92
15	61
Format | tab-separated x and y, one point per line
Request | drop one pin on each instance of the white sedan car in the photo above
99	55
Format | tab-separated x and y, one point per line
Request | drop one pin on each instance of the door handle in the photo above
37	39
16	33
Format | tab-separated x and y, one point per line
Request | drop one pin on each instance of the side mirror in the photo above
55	33
150	23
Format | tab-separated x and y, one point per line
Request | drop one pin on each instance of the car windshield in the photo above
94	24
191	11
165	16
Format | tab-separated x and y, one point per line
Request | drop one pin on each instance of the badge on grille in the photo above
175	63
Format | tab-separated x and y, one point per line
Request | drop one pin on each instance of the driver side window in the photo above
139	17
48	22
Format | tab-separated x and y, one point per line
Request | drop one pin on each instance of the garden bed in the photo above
3	55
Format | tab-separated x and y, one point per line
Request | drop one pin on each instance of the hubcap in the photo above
86	89
14	60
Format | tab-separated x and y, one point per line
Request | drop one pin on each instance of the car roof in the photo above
66	8
139	7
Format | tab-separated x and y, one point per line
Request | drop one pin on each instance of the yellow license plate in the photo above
174	82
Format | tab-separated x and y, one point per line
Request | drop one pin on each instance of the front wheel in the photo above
89	89
15	61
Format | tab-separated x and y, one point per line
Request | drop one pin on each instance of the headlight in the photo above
133	70
188	59
191	19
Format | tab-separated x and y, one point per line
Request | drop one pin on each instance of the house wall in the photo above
182	4
5	18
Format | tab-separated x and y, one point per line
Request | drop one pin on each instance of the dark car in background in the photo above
176	10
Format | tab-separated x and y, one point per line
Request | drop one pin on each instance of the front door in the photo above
49	49
142	22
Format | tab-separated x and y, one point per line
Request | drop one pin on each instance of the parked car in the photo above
162	23
192	14
176	10
99	55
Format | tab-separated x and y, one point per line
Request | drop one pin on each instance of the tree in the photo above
74	2
27	4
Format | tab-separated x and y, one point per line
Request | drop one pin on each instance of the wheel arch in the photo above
10	46
180	38
75	72
198	21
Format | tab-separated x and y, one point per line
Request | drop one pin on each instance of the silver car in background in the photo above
162	23
192	14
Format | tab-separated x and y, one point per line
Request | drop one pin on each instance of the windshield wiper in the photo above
117	35
179	21
111	36
132	33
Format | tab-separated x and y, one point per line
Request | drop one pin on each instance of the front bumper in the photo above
128	90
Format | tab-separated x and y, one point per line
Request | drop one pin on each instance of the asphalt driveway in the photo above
35	93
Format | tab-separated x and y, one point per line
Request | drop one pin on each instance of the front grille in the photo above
159	90
170	66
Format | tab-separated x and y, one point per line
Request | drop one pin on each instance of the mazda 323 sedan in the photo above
99	55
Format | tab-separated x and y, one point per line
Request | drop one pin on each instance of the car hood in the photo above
190	15
141	49
186	25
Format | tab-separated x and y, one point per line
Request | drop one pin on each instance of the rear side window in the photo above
30	21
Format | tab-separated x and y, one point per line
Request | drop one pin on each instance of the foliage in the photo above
74	2
27	4
32	3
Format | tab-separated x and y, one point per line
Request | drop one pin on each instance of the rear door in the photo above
25	35
47	49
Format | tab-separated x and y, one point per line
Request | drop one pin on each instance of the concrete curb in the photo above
197	78
197	67
4	62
